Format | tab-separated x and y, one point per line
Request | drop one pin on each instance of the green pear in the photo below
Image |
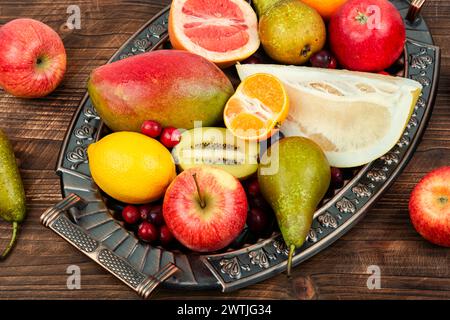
12	194
294	176
262	6
290	31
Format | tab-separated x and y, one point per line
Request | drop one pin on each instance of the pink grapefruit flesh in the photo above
223	31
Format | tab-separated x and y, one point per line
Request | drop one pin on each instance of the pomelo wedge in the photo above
222	31
355	117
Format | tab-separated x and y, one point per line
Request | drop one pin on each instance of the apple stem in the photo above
202	202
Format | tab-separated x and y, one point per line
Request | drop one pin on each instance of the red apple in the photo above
32	58
429	207
367	35
205	208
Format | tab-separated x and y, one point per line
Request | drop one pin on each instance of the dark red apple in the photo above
429	207
32	58
367	35
205	208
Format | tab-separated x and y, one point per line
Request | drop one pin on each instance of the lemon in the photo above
131	167
355	117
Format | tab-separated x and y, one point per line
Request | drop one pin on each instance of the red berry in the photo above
130	214
170	137
165	236
151	128
260	203
144	211
333	63
147	232
156	216
253	187
257	221
337	178
323	59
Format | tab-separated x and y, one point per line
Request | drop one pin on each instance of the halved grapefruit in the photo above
222	31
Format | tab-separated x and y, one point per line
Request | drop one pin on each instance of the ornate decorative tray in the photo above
90	225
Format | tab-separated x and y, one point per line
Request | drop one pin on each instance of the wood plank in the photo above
410	267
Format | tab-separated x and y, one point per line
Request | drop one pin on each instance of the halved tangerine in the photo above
258	107
222	31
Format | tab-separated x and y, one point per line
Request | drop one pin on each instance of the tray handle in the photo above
55	219
414	10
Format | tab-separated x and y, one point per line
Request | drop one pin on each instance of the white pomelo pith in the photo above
355	117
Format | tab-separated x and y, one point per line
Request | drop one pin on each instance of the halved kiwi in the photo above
217	147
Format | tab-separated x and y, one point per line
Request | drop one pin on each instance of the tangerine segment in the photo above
252	125
259	104
268	89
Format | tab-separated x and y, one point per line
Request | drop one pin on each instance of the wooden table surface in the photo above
410	267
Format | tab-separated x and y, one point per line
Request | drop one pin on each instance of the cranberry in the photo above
333	63
170	137
151	128
257	221
156	216
323	59
147	232
259	202
144	211
165	236
337	178
253	187
130	214
252	60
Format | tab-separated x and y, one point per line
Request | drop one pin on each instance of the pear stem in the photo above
202	201
289	263
13	240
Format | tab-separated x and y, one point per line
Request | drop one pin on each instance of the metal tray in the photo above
91	228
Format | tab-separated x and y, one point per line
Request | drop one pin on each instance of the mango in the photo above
175	88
